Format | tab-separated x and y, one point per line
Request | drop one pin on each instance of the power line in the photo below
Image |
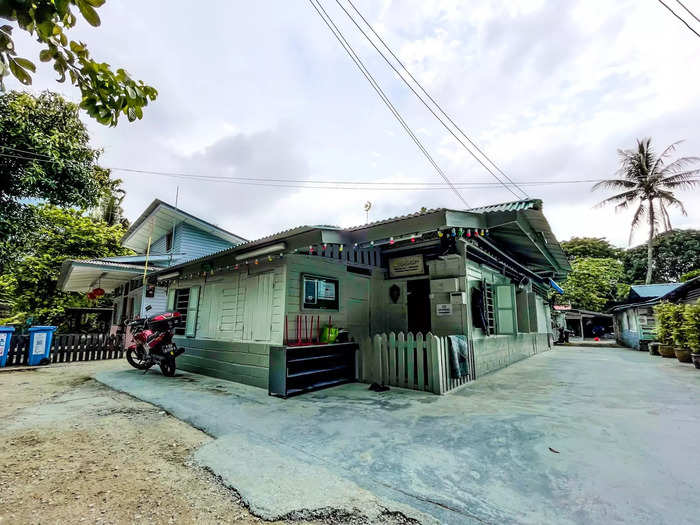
437	105
368	76
679	17
303	183
688	10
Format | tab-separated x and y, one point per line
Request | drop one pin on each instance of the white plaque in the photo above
39	347
442	310
326	290
3	340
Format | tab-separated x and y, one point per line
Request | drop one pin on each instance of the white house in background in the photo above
175	237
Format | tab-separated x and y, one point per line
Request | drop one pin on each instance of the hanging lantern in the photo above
91	296
469	232
391	240
98	292
440	234
340	248
256	261
453	232
413	238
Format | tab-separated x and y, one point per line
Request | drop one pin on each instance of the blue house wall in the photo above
189	242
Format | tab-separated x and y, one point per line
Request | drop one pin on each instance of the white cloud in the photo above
262	89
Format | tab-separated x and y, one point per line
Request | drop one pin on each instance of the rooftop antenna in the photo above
368	206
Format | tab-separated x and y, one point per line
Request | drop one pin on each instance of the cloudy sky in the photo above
549	89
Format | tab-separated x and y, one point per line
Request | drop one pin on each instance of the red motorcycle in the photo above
154	342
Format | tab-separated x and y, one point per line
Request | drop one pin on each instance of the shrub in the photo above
691	326
664	322
678	332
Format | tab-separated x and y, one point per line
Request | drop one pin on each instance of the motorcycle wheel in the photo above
137	360
167	366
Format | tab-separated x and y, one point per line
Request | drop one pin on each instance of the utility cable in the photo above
437	105
358	62
679	18
395	185
688	10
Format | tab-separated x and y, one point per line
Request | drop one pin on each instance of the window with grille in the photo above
182	299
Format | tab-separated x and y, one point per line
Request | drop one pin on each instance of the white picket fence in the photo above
407	361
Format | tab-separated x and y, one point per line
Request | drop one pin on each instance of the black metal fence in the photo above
66	348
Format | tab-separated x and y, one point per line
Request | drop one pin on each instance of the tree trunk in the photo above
650	251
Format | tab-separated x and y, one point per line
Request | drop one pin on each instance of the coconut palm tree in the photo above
649	181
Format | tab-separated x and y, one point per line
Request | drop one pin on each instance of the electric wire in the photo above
688	10
679	18
303	183
368	76
437	105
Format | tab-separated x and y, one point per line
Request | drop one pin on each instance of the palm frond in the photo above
614	184
671	200
678	165
660	159
666	216
685	179
626	197
638	216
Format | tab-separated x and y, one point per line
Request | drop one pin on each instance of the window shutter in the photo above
192	305
505	309
171	300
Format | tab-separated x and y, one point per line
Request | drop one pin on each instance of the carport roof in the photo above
83	276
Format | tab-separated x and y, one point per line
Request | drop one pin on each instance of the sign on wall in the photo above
319	292
406	266
3	340
442	310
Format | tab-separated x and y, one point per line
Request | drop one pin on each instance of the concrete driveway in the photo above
574	435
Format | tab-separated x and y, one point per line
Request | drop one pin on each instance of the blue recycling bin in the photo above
5	337
39	343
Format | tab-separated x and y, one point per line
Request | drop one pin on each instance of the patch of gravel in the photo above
75	451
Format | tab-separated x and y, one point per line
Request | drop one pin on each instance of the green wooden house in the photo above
483	273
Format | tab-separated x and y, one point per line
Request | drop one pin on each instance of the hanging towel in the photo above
459	356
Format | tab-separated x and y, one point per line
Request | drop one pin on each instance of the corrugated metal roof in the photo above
532	208
110	264
651	291
530	204
394	219
159	218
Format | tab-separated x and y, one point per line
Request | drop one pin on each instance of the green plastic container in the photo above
329	334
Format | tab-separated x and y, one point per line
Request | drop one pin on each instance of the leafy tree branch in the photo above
106	94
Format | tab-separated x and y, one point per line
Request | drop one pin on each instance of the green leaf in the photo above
19	73
45	55
26	64
61	7
75	47
89	13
